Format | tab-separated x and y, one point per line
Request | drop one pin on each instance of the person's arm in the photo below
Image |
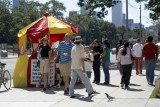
119	56
58	53
96	53
157	53
103	54
82	60
92	59
142	53
49	53
56	57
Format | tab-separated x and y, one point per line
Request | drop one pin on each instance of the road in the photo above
10	64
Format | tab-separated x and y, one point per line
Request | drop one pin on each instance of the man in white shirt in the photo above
137	49
78	69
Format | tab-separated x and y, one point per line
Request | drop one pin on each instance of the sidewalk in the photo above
137	96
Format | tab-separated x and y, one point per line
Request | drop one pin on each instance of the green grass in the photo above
154	95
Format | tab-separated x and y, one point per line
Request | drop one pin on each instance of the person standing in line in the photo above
137	50
97	51
44	61
106	61
88	61
78	68
150	52
64	52
124	59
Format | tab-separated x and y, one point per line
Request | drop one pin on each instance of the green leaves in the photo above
14	19
92	5
91	28
154	6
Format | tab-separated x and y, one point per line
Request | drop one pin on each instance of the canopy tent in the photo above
47	25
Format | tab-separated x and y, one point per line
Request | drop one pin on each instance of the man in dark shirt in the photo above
150	52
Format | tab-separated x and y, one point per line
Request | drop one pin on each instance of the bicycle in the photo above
5	76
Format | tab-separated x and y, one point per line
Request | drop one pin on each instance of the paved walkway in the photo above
137	96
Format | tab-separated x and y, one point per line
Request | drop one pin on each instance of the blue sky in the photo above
133	13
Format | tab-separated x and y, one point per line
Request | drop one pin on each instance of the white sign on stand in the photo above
35	73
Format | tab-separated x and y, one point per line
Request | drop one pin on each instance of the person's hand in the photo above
82	69
66	54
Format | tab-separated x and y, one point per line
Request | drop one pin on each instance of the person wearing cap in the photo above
44	50
64	54
78	68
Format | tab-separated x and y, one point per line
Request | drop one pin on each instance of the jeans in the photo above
150	67
105	66
74	74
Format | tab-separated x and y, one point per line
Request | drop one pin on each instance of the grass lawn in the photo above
154	95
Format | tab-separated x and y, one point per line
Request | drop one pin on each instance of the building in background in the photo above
15	3
117	17
72	13
137	26
83	9
130	23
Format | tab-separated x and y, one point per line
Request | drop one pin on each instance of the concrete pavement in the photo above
137	96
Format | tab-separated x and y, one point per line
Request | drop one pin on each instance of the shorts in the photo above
65	69
44	66
88	74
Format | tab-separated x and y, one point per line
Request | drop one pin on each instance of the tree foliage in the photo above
12	19
91	28
102	5
154	6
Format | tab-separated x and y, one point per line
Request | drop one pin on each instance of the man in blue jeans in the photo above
150	52
77	68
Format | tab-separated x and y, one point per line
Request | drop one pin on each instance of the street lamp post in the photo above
140	23
127	19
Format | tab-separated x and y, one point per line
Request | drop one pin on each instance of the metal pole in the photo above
127	19
140	23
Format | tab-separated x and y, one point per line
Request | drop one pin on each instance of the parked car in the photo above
113	50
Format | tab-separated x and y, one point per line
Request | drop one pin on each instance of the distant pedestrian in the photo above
88	61
97	51
137	50
118	65
64	52
117	47
124	58
78	68
150	52
106	61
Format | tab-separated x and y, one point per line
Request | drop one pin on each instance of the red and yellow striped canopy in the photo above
47	24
